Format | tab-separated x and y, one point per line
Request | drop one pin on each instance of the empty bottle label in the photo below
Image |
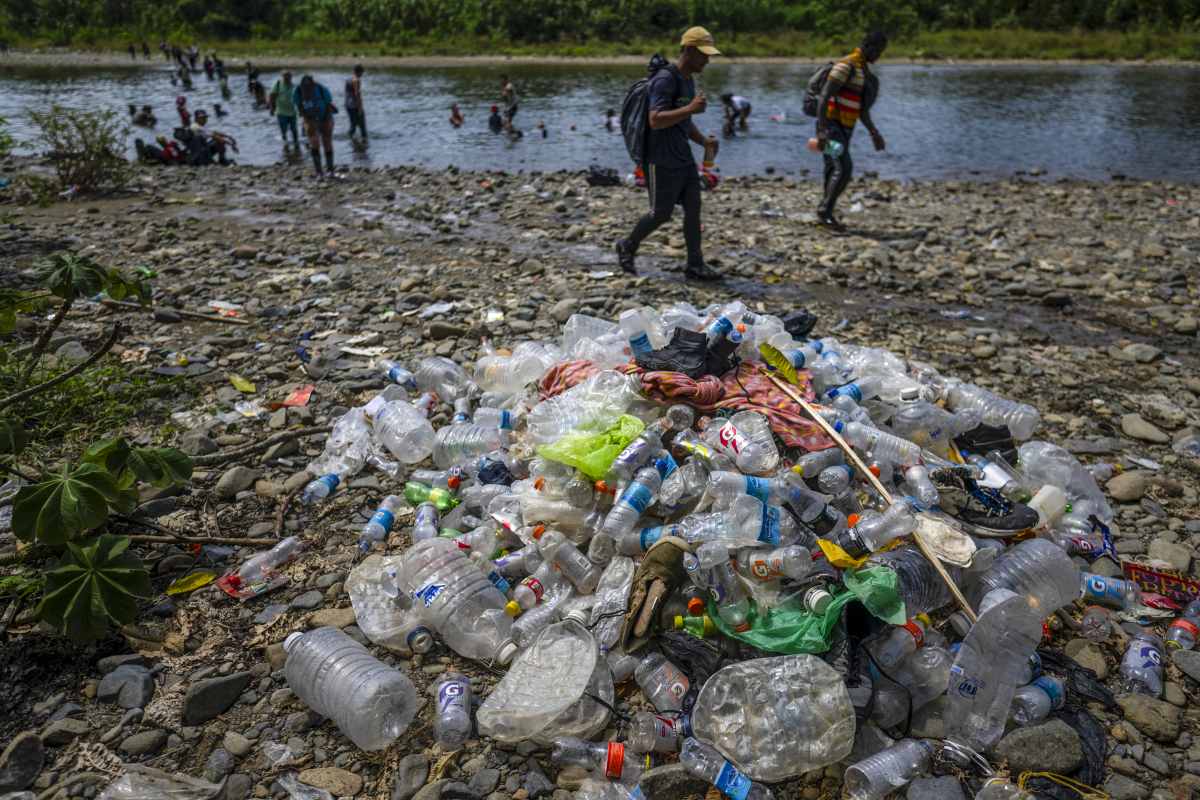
638	497
851	390
427	594
401	376
640	345
758	487
330	480
383	518
797	358
731	438
649	536
769	532
665	466
1105	590
1052	690
451	695
732	783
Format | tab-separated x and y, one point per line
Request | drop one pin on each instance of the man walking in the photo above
846	98
284	109
354	103
671	175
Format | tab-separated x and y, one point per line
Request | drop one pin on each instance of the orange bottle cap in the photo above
695	607
852	520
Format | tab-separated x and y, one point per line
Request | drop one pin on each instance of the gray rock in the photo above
1188	662
21	762
1156	718
269	613
64	731
65	710
197	443
1118	787
1133	426
431	791
944	788
440	329
1129	487
563	309
1052	746
129	686
536	782
144	743
485	781
238	786
208	698
670	782
1142	353
234	480
459	791
109	663
219	764
237	744
308	601
1178	555
410	776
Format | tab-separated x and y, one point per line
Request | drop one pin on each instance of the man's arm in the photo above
876	137
667	118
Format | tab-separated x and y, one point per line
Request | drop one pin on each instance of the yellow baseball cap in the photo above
700	39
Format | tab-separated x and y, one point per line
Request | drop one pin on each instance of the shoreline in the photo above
83	59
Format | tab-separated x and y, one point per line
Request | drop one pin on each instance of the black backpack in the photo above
635	111
816	85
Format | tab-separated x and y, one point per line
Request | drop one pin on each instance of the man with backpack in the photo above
658	140
846	97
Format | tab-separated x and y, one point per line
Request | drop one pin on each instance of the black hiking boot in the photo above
685	353
625	257
702	272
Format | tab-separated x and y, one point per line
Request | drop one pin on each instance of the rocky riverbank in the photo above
1079	298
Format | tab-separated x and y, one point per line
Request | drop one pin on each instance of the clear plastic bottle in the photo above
1116	593
441	376
598	401
544	581
740	524
920	487
397	374
1037	569
262	568
403	428
458	601
725	487
371	703
426	522
835	480
635	327
874	532
527	626
1033	702
1182	634
1001	789
495	418
814	512
704	761
452	725
651	733
918	583
922	678
318	489
520	562
900	642
882	445
1022	420
612	601
633	502
637	453
557	549
733	604
509	374
1096	624
746	438
455	444
462	411
997	474
609	759
662	683
1043	463
879	775
344	454
794	562
380	524
1142	665
450	479
812	464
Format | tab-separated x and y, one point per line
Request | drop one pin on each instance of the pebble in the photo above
129	686
21	762
144	743
213	696
1129	487
1156	718
237	744
411	773
308	601
64	731
234	480
1052	746
332	617
338	782
1134	426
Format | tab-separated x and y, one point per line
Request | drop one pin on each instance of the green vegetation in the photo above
1103	29
86	147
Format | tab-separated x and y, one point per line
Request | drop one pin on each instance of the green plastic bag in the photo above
593	453
790	628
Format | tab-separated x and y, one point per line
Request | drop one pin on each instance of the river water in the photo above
941	122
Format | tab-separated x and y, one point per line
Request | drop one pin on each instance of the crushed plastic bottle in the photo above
1142	665
704	761
879	775
452	724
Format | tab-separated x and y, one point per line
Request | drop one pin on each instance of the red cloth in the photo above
746	388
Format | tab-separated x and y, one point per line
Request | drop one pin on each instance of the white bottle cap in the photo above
290	641
372	408
506	652
580	615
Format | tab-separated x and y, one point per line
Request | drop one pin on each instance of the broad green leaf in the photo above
108	453
70	276
191	582
160	466
12	437
241	384
95	582
62	506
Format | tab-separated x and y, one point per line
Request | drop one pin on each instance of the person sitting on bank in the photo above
218	142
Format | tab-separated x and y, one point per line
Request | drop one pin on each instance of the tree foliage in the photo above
86	147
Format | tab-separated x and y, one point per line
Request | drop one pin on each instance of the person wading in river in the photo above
671	174
315	104
846	98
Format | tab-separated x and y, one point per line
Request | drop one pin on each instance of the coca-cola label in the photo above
638	497
732	783
730	438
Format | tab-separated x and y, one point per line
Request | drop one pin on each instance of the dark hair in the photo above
876	41
727	97
358	69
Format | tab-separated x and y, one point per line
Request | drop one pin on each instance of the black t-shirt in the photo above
669	147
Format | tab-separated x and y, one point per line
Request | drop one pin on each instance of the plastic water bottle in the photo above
455	444
733	604
873	532
458	601
510	374
531	623
882	445
452	725
989	667
426	522
997	474
1034	702
1037	569
1000	789
812	464
544	581
1096	623
1020	418
633	502
746	438
794	562
520	562
261	568
900	642
922	678
1182	634
635	327
1142	666
815	514
450	479
371	703
380	524
835	480
704	761
662	683
725	487
495	418
919	485
403	428
560	551
1113	592
651	733
441	376
318	489
417	493
397	374
879	775
609	759
918	583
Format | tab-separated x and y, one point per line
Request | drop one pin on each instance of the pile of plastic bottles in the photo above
774	609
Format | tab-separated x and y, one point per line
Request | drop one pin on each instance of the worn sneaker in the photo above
625	257
702	272
831	222
984	510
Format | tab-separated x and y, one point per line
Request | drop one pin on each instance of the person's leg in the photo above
664	188
837	171
691	218
362	122
295	133
283	127
351	114
327	141
314	143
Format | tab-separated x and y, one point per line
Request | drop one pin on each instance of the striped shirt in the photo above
845	106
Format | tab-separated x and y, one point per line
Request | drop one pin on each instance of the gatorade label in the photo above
758	487
638	497
732	783
1149	655
640	345
616	760
769	532
666	466
450	695
1052	690
384	519
764	569
731	438
1104	590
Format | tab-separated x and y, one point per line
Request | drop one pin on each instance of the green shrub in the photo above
86	147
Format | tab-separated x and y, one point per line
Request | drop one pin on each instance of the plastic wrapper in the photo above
139	782
593	453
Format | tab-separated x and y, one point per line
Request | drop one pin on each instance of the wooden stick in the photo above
189	314
824	425
147	539
258	447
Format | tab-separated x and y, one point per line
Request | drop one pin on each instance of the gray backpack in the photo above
816	85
